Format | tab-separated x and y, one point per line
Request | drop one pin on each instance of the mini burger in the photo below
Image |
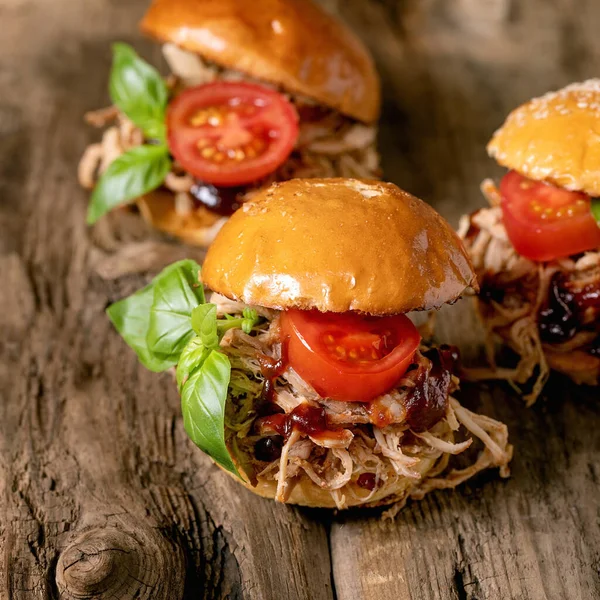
536	250
259	92
302	374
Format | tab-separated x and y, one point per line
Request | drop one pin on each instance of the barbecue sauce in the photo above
569	306
271	369
220	200
557	320
379	413
306	418
427	402
587	298
368	481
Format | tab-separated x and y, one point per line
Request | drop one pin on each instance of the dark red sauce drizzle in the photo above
427	402
306	418
220	200
368	481
560	318
589	297
271	369
557	320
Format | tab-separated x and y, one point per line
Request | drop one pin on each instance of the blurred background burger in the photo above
258	92
536	249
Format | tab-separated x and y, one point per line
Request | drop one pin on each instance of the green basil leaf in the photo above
131	175
596	209
204	323
192	357
130	317
176	294
139	91
203	400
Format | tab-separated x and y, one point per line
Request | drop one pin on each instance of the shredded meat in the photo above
543	311
358	444
121	136
329	144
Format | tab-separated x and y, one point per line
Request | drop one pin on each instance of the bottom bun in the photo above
306	492
581	367
196	227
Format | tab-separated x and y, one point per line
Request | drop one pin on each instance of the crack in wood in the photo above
85	555
459	585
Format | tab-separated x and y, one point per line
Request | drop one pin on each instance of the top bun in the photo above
292	43
555	138
338	245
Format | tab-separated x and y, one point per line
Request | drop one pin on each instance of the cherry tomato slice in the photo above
347	356
231	133
545	222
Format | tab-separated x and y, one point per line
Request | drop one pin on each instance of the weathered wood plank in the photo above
95	471
452	70
102	494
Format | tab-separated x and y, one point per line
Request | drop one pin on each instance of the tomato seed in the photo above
198	119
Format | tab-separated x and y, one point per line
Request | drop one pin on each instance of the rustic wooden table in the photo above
102	494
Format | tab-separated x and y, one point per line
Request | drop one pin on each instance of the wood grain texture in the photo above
102	494
452	70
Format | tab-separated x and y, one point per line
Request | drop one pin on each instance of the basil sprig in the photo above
139	92
203	398
131	175
176	294
150	312
169	323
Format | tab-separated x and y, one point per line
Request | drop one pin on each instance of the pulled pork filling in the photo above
329	145
544	311
399	445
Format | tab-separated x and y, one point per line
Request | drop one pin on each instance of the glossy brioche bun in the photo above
292	43
306	492
197	228
582	367
337	245
555	138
